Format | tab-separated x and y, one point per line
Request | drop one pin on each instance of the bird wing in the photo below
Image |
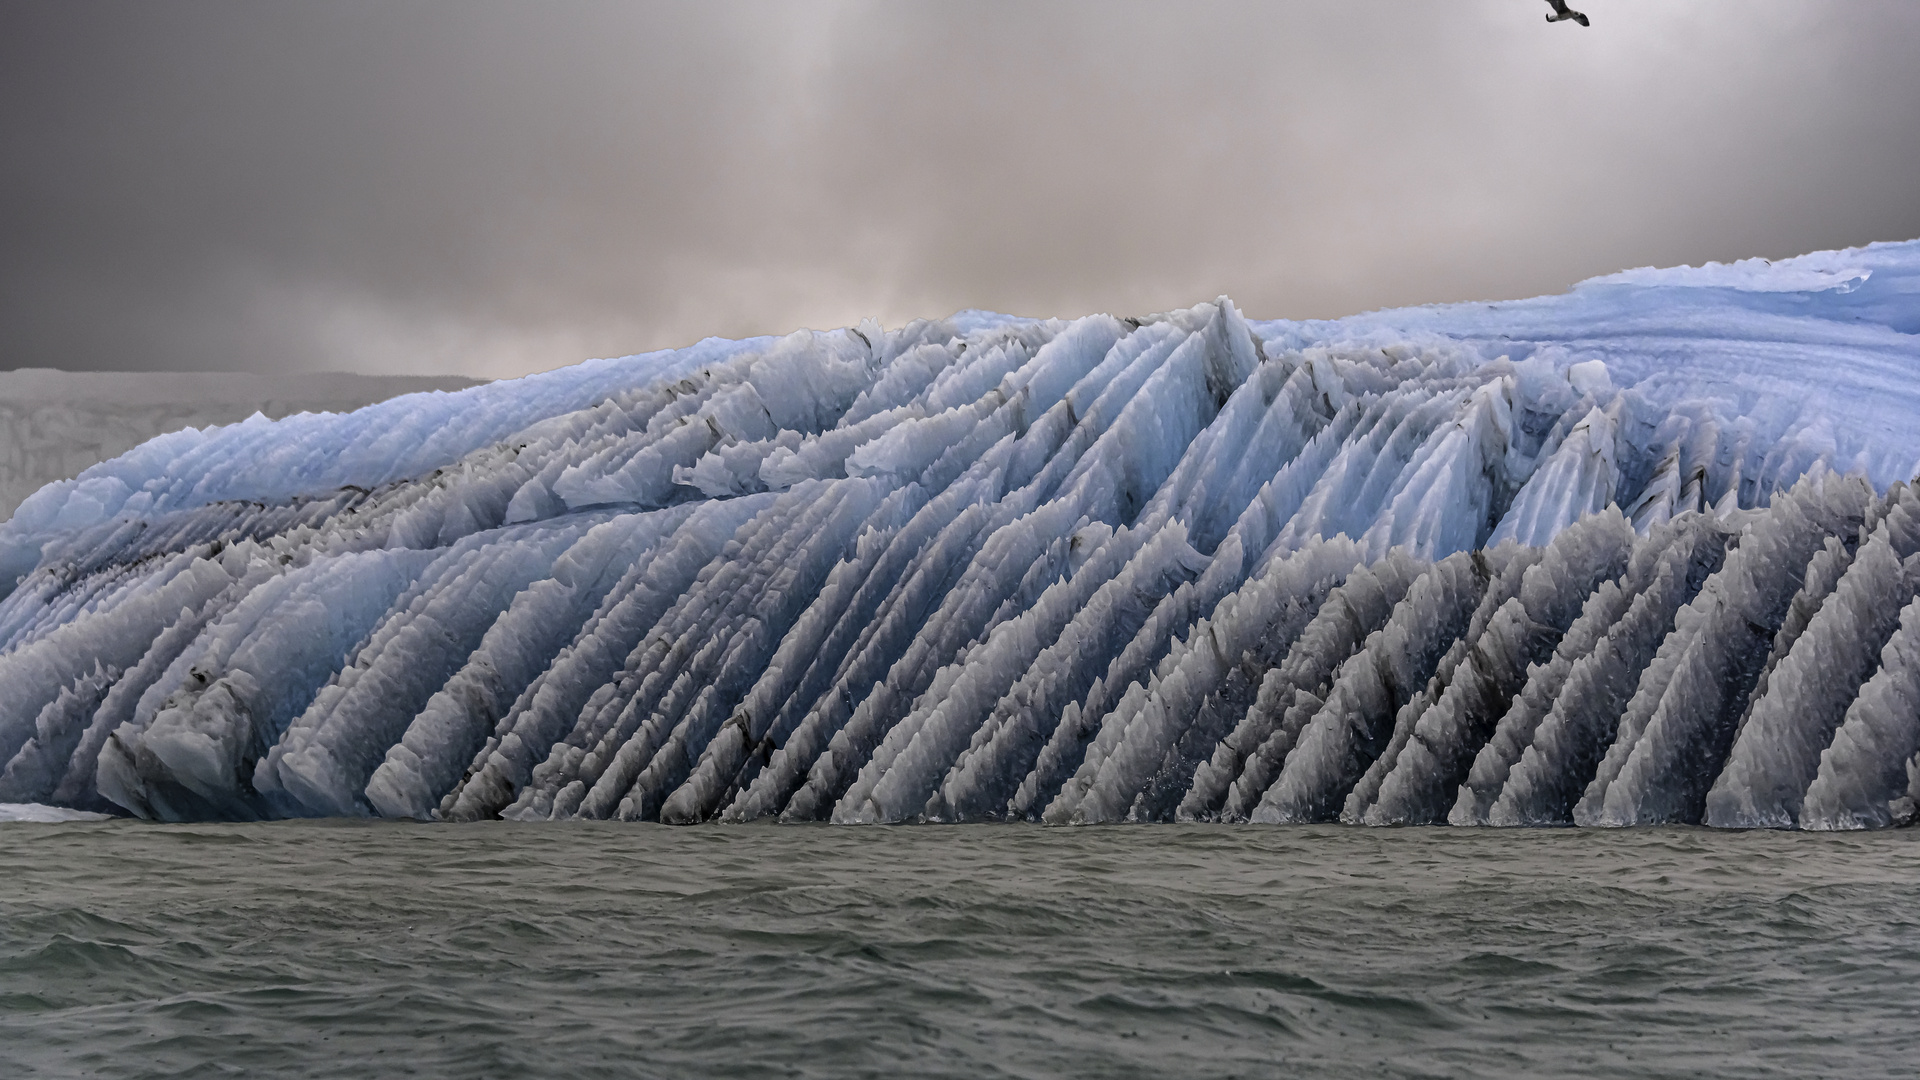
1559	7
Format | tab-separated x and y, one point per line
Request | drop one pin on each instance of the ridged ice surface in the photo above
53	424
1642	553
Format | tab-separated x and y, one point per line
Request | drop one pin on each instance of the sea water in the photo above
349	949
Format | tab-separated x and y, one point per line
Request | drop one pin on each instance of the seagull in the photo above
1562	12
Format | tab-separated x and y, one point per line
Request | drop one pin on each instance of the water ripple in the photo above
500	950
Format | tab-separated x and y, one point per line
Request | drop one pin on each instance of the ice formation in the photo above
53	424
1644	552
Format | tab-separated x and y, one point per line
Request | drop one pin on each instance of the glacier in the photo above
1644	552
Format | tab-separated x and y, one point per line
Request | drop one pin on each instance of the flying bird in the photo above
1562	12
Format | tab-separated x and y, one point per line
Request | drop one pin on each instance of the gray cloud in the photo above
499	188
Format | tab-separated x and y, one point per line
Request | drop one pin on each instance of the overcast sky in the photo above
493	189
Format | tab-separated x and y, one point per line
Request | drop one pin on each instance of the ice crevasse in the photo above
1644	552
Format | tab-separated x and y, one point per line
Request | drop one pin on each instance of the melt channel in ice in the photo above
1643	552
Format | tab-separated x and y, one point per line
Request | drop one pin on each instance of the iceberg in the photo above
1645	552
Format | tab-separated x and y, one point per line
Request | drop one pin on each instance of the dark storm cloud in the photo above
500	188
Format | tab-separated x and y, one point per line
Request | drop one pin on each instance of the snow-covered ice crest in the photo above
1644	552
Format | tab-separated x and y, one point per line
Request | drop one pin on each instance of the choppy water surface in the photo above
359	950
